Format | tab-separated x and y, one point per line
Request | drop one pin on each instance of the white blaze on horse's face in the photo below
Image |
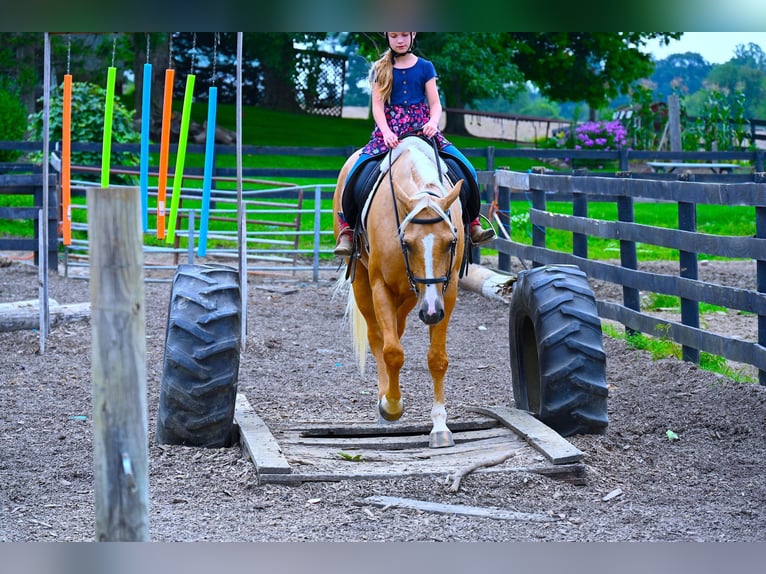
431	303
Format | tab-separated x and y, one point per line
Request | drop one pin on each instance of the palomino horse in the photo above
412	245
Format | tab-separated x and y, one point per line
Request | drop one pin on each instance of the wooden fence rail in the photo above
687	193
31	186
490	155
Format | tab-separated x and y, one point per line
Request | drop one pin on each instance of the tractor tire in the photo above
201	364
558	364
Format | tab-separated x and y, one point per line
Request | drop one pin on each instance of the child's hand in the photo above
430	129
391	140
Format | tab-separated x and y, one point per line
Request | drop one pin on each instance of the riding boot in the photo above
479	235
345	245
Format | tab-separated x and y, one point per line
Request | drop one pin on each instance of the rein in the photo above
413	279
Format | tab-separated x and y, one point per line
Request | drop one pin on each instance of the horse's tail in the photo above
355	319
358	331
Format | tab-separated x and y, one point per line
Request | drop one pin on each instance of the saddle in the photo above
362	181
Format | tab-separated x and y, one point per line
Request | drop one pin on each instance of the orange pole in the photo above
162	181
66	161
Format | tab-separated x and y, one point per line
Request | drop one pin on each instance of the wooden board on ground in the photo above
292	453
546	440
257	440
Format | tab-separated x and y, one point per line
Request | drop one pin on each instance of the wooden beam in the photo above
543	438
257	440
25	315
386	502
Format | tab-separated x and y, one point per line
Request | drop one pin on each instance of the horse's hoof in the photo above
390	411
440	439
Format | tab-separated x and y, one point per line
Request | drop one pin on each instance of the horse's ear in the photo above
452	195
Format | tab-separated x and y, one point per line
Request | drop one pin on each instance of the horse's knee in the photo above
394	358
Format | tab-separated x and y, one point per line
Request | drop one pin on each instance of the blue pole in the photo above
146	120
207	177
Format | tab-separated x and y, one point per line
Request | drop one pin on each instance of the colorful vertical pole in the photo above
146	120
66	161
207	177
162	181
180	158
106	149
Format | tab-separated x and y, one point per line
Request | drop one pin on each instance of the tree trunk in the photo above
278	66
456	124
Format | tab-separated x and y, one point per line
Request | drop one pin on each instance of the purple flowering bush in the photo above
602	135
599	135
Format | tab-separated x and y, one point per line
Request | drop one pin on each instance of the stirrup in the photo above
345	246
480	235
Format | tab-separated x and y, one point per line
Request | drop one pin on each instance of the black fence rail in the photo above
492	157
31	186
624	190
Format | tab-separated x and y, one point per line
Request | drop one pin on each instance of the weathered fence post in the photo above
118	357
631	296
688	260
674	118
760	271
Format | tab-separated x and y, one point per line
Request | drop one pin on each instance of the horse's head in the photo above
431	234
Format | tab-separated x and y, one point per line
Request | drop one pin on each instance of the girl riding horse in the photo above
405	98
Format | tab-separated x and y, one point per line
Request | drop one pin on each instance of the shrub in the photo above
88	101
13	121
600	135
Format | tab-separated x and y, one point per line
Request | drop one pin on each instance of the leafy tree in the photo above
593	67
730	78
88	102
13	119
684	73
751	55
565	66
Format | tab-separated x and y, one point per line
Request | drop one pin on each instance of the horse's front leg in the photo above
438	361
391	313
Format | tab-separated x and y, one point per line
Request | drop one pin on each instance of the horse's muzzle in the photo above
430	307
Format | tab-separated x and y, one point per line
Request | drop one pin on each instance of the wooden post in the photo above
118	348
674	119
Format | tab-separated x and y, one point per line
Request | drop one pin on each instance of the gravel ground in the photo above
709	485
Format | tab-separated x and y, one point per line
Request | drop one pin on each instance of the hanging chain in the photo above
170	51
114	48
68	54
147	48
216	41
193	51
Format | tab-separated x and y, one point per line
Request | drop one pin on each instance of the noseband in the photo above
424	203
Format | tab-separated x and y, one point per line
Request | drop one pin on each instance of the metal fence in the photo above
275	228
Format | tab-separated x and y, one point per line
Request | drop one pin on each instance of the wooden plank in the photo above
573	473
550	443
345	429
392	442
24	315
258	441
455	509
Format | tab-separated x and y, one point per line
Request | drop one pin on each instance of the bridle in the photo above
425	202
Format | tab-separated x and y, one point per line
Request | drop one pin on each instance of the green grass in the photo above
711	219
661	347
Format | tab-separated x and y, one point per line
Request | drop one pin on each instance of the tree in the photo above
585	66
683	73
593	67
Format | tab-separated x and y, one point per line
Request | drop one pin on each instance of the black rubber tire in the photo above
202	347
558	364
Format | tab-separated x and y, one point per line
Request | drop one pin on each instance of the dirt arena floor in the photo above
708	484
